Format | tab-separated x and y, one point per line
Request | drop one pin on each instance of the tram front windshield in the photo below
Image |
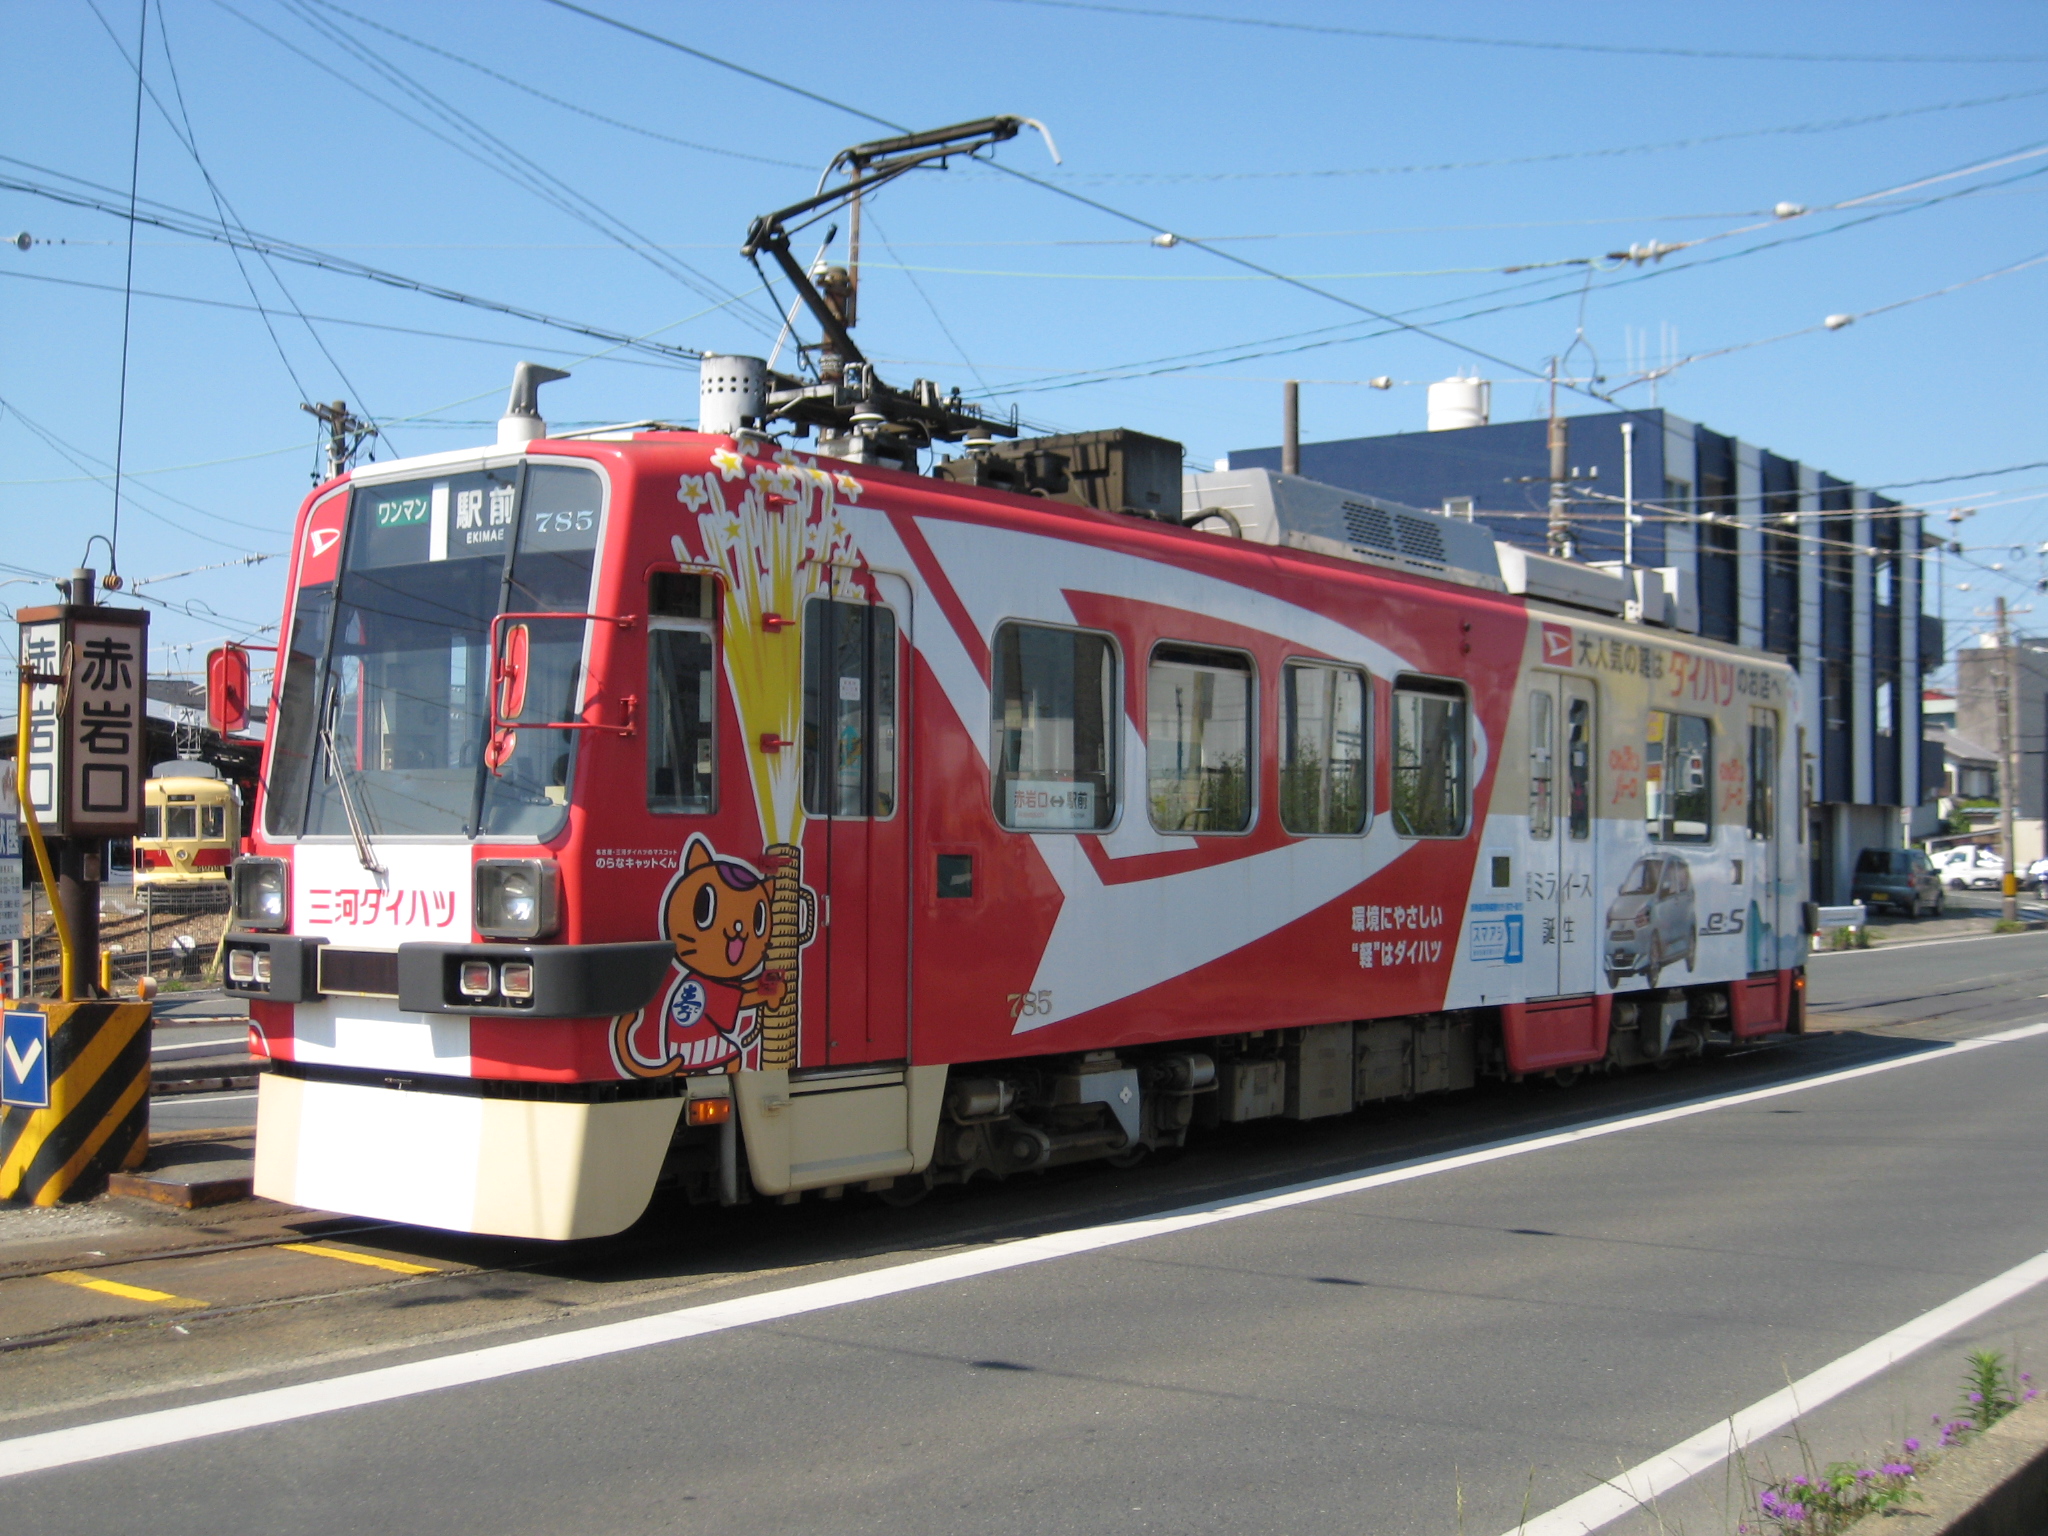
384	703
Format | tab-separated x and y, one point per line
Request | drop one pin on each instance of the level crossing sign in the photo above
25	1061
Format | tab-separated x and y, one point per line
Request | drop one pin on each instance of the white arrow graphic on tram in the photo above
21	1063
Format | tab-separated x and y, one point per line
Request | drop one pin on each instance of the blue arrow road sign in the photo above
25	1061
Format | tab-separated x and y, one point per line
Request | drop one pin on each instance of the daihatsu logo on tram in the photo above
1557	645
320	558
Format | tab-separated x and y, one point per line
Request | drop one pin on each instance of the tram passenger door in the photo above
856	970
1765	820
1563	939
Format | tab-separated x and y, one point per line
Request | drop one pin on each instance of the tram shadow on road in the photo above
676	1241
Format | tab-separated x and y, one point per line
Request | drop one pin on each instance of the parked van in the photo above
1902	879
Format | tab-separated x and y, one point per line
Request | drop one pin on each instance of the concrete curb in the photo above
1996	1485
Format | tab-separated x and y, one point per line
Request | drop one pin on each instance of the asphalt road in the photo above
1478	1341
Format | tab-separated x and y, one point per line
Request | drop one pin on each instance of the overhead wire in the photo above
80	459
1068	193
367	325
1512	161
557	101
469	138
127	299
227	210
1384	34
938	319
181	221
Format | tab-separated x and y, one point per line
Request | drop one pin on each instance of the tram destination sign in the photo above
86	717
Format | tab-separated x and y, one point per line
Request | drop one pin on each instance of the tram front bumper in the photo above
459	1161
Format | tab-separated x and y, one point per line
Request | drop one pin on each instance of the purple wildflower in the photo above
1912	1445
1897	1469
1976	1397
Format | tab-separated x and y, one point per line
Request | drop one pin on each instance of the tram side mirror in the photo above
227	689
509	669
508	694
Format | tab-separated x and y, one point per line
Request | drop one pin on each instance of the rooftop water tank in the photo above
1459	402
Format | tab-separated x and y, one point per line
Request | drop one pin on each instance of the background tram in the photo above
191	826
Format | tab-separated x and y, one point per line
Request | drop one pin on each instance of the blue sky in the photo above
1399	175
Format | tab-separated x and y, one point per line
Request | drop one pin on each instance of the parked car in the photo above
1902	879
2037	876
1970	867
1652	921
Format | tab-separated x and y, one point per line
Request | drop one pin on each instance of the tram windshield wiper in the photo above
345	784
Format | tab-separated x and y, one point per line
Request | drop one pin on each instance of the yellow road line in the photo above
397	1266
116	1288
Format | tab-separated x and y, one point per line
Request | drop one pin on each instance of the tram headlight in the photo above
516	898
260	900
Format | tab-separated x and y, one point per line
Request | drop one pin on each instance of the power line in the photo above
367	325
484	147
1975	474
181	222
557	101
712	58
127	296
1833	125
80	458
1638	50
1088	202
223	206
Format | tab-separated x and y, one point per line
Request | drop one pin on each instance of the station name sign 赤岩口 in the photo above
86	717
1698	679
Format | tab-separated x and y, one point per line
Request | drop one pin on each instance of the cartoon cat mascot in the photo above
715	912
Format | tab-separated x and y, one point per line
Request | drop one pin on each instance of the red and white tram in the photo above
679	808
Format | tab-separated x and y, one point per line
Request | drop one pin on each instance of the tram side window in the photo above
153	822
1198	736
1055	706
682	704
1763	775
1542	766
849	731
1430	758
1579	767
1678	787
213	822
1323	779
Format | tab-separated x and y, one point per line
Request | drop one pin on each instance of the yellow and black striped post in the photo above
93	1080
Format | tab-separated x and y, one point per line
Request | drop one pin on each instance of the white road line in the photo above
164	1100
279	1405
193	1045
1636	1488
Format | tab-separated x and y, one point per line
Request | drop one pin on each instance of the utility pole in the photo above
2001	680
1560	528
345	433
1290	429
